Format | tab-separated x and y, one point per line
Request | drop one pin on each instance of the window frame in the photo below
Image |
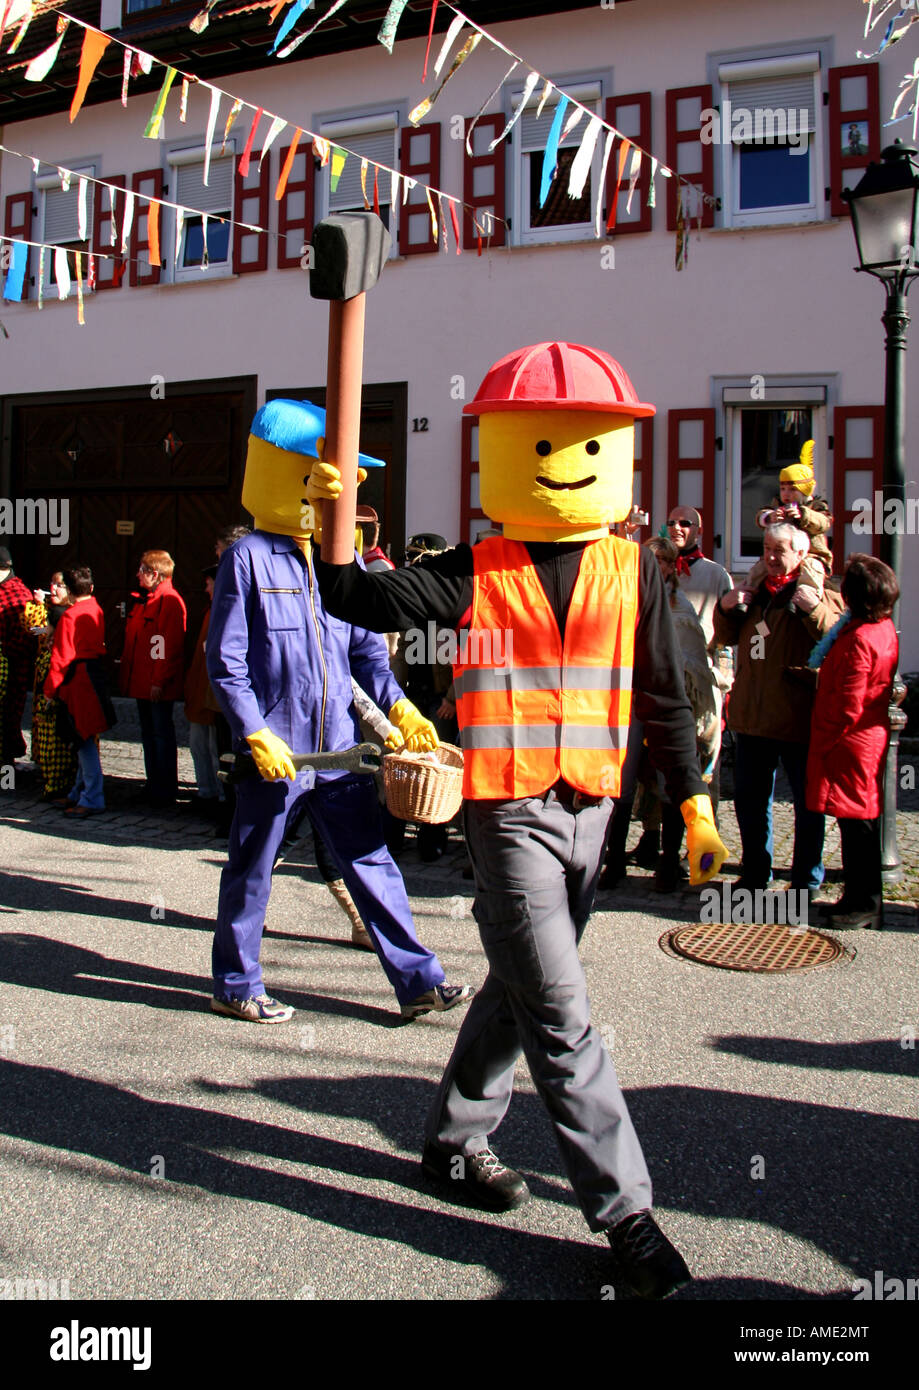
336	129
50	182
587	88
781	58
817	391
174	271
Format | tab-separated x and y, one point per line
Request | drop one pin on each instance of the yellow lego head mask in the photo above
556	442
283	446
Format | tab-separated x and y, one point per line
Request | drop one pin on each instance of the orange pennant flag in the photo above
614	201
276	10
288	165
153	235
94	45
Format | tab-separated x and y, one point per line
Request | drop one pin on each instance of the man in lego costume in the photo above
281	668
544	740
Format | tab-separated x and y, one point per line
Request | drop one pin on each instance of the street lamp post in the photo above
885	219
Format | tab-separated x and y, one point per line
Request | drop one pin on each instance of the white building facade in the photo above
764	339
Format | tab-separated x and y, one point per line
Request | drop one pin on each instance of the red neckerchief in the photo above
775	586
687	558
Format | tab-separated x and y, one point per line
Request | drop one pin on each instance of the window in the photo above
371	138
61	222
213	204
764	437
560	218
772	161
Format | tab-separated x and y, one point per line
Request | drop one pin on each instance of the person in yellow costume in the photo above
562	629
281	669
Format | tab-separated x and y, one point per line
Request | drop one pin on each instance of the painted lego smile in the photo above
571	487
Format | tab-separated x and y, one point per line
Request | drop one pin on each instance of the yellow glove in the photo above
419	733
705	850
272	755
324	481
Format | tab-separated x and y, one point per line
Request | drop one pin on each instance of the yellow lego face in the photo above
563	472
274	489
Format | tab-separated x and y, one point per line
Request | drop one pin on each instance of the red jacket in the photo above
849	727
154	642
79	637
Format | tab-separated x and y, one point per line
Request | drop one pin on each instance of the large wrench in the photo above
363	757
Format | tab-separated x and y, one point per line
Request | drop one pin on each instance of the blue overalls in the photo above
276	659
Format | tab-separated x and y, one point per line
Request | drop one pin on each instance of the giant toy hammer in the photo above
349	251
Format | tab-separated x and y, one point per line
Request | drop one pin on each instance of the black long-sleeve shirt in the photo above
440	588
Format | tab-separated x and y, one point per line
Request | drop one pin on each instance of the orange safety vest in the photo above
532	710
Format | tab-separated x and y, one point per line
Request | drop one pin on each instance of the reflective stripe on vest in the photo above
547	711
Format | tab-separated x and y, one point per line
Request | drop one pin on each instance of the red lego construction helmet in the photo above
558	376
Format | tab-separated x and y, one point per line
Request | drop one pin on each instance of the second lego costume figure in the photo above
281	668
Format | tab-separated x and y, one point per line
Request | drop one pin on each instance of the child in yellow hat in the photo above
797	505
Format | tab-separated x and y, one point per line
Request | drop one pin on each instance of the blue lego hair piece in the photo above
295	426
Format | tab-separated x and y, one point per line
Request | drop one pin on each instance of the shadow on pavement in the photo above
35	962
885	1056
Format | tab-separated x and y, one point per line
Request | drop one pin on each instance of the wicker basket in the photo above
425	787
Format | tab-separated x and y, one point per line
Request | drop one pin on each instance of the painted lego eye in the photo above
543	448
592	446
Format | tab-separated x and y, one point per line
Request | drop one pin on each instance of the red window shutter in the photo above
17	223
854	100
484	184
858	472
691	466
296	207
110	267
250	204
149	181
470	511
684	128
632	116
643	479
419	158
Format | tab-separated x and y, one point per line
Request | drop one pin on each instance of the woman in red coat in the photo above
79	639
152	668
850	732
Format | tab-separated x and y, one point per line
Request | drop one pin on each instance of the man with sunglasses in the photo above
702	581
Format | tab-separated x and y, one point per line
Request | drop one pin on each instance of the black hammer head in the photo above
349	249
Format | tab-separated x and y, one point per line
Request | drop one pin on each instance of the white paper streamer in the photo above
452	32
126	74
571	122
601	182
180	223
61	273
111	208
41	278
81	210
277	125
39	67
128	222
407	186
393	189
544	97
66	176
580	166
634	171
527	93
211	123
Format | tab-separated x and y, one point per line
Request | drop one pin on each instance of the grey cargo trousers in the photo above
536	864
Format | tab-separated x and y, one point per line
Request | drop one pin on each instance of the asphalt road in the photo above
154	1151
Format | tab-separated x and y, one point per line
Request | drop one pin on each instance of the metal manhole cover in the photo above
755	947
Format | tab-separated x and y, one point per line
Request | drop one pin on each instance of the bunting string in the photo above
141	61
